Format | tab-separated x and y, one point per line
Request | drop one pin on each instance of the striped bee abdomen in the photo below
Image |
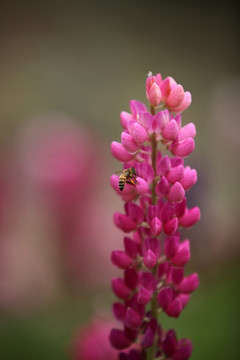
122	181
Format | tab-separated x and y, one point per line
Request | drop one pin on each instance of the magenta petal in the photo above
137	107
185	103
174	308
176	192
120	289
182	257
175	97
153	244
142	186
164	165
148	281
131	247
170	132
189	179
184	350
165	87
177	275
190	217
184	148
146	172
139	133
156	226
187	131
144	296
175	174
149	259
132	319
162	187
119	311
167	212
189	284
160	121
145	119
134	212
171	226
171	246
119	152
123	222
148	338
125	117
164	297
128	142
170	343
121	259
181	207
184	299
118	339
131	278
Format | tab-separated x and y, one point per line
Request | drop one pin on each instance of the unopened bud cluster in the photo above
154	143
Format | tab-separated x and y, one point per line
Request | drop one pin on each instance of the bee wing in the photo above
118	172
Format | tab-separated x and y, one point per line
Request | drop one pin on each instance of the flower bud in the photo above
119	152
189	284
170	131
182	257
125	117
121	259
164	297
154	94
174	308
162	187
142	187
156	226
128	142
176	193
139	133
190	217
183	148
149	259
123	222
169	343
187	131
189	179
120	289
175	97
183	351
132	319
171	246
119	311
171	226
131	278
131	247
118	339
144	296
175	174
185	103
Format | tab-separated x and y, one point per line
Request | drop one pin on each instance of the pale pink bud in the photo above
171	226
189	179
162	187
164	165
189	284
131	278
146	120
118	339
132	319
120	289
156	226
149	259
131	247
183	148
176	193
187	131
142	187
119	152
128	142
119	311
171	246
175	97
176	161
190	217
160	120
139	133
144	296
182	257
184	299
165	87
125	117
123	222
185	103
174	308
175	174
121	259
164	297
170	131
154	95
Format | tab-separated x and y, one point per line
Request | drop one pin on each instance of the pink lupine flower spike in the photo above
155	253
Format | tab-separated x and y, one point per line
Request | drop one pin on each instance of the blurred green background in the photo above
77	64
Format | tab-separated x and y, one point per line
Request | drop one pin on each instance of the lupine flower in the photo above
155	209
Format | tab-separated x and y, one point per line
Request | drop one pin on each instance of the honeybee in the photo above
128	176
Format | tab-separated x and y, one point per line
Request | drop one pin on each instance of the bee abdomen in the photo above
121	184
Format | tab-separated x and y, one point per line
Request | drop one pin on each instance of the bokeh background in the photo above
67	69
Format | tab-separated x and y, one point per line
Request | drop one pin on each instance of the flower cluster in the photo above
154	144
